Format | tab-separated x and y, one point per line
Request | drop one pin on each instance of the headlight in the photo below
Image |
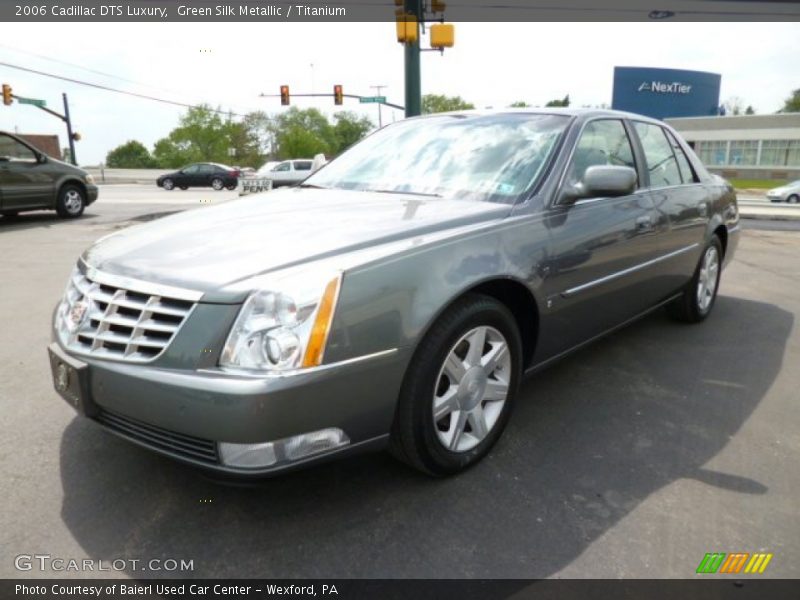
89	179
277	331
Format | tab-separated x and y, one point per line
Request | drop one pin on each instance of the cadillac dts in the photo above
397	297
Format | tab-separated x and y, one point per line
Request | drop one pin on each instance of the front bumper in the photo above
92	192
184	414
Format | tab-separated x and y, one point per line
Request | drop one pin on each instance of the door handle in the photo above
644	223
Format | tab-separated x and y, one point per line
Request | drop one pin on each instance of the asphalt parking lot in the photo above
631	458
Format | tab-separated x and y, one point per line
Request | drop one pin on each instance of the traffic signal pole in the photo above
413	74
69	132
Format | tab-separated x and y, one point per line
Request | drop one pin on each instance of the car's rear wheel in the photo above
71	202
168	184
184	187
793	199
230	187
217	183
459	389
698	298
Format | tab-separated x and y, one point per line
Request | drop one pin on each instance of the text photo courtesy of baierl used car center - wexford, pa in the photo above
400	298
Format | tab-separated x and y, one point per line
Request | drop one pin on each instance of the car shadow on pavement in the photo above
591	438
37	219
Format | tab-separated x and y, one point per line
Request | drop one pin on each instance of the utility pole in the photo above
69	132
413	81
378	89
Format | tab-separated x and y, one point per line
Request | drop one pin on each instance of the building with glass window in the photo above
747	146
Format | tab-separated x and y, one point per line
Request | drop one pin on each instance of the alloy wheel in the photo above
707	281
217	184
168	184
471	389
73	202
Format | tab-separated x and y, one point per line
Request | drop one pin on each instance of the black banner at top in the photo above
384	10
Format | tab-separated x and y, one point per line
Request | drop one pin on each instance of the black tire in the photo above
793	199
168	184
688	307
230	187
71	201
217	184
184	187
414	438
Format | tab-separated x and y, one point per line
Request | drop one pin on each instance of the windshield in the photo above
492	158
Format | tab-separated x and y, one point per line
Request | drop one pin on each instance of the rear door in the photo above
302	169
24	181
596	276
680	202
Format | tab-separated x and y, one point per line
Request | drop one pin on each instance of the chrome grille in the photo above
119	323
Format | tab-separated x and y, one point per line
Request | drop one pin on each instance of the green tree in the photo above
201	135
564	102
130	155
792	103
519	104
348	129
436	103
302	133
750	110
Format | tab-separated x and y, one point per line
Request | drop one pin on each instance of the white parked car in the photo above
290	172
786	193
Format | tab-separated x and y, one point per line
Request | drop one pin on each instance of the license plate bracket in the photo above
71	381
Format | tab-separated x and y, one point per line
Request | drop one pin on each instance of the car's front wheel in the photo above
698	297
71	202
168	184
793	199
459	389
217	183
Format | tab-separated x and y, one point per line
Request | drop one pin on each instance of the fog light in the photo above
247	456
253	456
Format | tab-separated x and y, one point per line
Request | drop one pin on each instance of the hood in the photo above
207	248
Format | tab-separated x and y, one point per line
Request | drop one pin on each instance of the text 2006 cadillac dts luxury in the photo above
396	297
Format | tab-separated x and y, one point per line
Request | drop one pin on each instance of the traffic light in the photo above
442	36
7	97
338	95
285	95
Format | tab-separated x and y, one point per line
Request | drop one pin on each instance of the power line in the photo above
115	90
87	69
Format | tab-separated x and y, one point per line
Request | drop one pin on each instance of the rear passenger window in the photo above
683	162
602	142
302	165
661	161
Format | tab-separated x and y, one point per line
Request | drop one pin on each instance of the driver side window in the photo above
12	150
602	142
283	167
191	170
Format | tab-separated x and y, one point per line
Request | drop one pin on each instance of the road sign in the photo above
34	101
372	100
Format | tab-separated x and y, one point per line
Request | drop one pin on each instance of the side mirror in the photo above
41	158
604	181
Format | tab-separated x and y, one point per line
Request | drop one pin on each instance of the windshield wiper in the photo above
404	192
313	186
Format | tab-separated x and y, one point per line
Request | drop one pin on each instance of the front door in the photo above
24	181
596	276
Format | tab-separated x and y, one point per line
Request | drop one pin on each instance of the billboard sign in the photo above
666	93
